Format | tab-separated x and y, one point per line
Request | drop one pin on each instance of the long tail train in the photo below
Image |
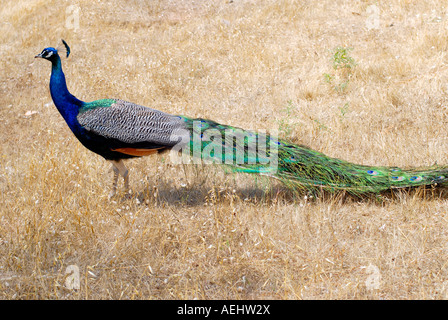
298	166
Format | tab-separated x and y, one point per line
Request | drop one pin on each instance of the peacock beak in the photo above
39	55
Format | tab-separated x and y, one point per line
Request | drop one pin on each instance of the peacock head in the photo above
48	54
51	54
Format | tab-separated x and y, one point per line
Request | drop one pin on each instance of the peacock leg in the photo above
119	169
115	181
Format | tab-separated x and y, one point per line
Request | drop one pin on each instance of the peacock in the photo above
118	130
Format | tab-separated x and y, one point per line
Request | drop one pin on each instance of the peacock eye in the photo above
48	54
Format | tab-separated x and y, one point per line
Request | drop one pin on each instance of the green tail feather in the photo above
295	165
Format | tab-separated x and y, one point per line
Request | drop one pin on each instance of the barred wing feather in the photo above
130	123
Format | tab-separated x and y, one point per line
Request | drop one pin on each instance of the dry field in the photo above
197	232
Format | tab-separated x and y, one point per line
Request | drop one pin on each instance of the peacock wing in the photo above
130	123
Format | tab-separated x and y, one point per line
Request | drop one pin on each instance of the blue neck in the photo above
67	104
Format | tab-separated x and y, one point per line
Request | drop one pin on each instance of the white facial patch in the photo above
48	54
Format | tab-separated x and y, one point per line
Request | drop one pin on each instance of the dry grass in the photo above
194	231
